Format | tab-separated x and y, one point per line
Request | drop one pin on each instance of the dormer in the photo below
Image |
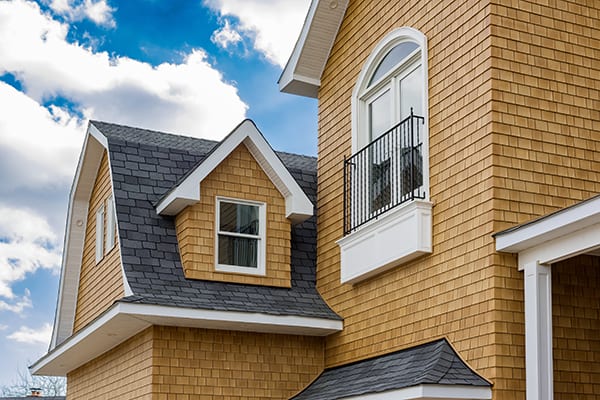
234	211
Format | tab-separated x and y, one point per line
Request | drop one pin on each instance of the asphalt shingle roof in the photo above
145	165
431	363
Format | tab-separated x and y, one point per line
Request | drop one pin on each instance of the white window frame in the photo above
363	94
261	237
110	224
100	233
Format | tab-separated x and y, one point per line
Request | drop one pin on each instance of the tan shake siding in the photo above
239	177
546	124
102	283
211	364
490	164
575	327
123	373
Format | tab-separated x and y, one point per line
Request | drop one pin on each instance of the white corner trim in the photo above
431	392
123	320
398	236
298	206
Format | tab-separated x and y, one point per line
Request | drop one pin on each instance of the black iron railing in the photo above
384	174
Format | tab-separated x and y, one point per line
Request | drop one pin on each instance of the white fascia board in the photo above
553	226
298	206
303	71
431	392
124	320
83	183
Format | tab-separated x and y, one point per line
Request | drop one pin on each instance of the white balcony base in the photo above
398	236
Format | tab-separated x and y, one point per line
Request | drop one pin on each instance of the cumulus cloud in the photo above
27	243
97	11
226	36
28	335
41	143
272	25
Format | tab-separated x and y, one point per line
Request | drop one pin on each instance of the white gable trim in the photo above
298	206
302	74
87	168
569	232
124	320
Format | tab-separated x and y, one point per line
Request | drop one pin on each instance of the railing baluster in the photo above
375	178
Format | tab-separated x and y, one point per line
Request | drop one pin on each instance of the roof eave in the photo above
124	320
303	71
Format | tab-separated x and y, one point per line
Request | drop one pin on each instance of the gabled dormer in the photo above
234	211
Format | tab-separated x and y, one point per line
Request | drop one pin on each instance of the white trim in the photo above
303	71
76	224
569	232
298	206
261	237
430	392
110	224
538	332
88	165
397	236
123	320
99	233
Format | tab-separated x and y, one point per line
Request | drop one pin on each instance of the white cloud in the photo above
97	11
226	36
40	145
32	335
273	25
27	243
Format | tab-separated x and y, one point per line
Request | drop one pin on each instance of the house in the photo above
454	249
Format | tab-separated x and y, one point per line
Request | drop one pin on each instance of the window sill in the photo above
396	237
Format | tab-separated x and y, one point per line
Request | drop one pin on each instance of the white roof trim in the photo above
87	168
302	74
431	392
123	320
571	231
298	206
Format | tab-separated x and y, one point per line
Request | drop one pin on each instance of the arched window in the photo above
389	165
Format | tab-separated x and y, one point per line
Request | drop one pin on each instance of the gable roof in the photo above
434	363
187	191
302	73
144	165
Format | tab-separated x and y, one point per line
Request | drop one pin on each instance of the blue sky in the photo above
186	66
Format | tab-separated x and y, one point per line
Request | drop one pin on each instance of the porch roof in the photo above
429	367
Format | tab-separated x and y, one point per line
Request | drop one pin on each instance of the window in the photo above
240	238
110	224
389	129
99	233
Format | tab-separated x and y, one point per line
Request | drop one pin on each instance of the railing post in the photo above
345	201
412	155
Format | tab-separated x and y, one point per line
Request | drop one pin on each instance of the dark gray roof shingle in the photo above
145	165
431	363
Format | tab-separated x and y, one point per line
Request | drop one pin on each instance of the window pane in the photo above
238	218
380	115
238	251
411	93
393	58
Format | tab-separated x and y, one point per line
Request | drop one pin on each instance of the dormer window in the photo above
240	236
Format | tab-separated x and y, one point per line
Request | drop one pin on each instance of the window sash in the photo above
110	224
237	251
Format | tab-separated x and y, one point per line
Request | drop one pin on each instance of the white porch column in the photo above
538	332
